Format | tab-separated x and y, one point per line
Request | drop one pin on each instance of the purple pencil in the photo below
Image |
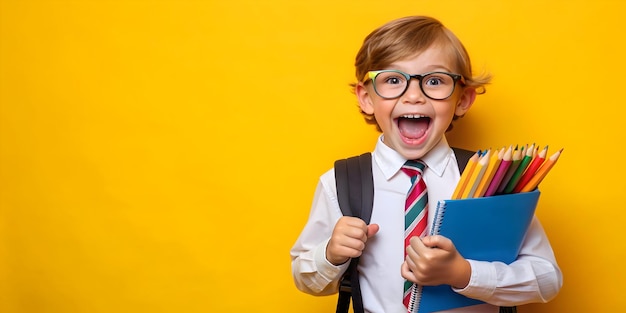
507	159
515	162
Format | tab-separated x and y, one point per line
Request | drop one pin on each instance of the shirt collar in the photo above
390	161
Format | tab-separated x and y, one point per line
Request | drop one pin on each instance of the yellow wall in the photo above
147	147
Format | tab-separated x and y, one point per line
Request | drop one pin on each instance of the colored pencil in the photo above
469	168
517	158
477	174
520	169
499	175
538	159
542	172
492	167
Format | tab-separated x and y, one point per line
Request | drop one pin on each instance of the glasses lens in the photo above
438	86
390	84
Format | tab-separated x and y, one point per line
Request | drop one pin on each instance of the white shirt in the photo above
533	277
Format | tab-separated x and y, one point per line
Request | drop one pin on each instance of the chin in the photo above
416	149
413	153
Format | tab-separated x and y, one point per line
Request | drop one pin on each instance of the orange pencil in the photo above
538	159
494	162
469	168
542	172
477	174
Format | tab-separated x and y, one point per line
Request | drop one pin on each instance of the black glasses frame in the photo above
371	75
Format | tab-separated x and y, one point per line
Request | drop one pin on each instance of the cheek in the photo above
446	111
383	110
451	105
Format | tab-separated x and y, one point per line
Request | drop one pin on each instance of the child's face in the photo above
413	123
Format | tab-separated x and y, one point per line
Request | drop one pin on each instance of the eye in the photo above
390	78
434	81
394	80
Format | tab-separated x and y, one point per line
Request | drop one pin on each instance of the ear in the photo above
465	102
365	101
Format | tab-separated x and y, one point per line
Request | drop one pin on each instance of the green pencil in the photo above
520	169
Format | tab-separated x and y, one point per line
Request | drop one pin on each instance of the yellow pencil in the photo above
494	162
465	176
477	174
542	172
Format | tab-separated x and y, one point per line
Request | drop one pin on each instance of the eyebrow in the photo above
429	68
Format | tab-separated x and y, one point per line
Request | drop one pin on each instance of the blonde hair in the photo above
405	37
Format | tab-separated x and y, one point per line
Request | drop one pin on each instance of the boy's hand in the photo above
348	239
434	260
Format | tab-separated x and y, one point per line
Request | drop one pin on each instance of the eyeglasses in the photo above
391	84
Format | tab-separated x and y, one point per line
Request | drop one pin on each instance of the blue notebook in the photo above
484	229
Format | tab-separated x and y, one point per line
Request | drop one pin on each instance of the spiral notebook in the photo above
484	229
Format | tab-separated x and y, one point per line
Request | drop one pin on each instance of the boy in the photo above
414	77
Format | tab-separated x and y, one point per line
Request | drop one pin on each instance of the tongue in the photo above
413	127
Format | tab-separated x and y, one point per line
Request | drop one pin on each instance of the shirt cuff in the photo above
327	270
483	281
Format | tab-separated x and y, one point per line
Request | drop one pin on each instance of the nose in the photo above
413	92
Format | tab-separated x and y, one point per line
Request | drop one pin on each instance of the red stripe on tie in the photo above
416	201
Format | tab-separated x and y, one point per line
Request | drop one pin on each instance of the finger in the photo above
437	241
355	221
353	243
410	262
417	244
350	252
358	228
350	231
372	229
406	272
345	250
415	249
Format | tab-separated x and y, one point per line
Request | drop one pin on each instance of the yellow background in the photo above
148	148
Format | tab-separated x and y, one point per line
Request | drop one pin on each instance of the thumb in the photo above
372	229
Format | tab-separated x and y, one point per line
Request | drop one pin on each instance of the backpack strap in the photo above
462	157
355	186
355	193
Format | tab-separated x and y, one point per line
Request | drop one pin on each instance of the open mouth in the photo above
413	126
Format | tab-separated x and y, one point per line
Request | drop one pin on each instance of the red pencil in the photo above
531	170
542	172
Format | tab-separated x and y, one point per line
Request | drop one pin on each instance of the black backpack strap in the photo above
355	193
355	186
462	157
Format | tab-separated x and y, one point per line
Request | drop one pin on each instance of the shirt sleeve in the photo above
312	272
533	277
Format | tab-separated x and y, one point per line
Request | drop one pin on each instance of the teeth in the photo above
413	116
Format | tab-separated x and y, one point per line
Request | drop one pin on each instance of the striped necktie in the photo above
415	213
